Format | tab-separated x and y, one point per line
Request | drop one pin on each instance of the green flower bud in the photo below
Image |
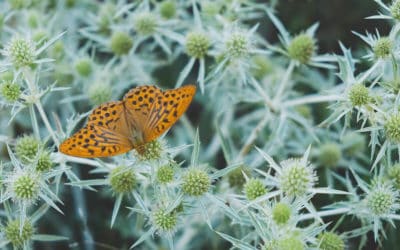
21	52
383	47
44	163
168	9
26	148
195	182
17	237
395	9
381	200
296	178
164	221
262	66
394	175
150	151
392	128
329	154
197	44
236	177
165	174
237	45
83	66
99	94
10	91
330	241
145	24
122	179
281	213
121	43
26	187
359	95
254	188
302	48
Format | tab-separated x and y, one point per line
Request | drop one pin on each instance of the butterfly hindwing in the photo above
170	106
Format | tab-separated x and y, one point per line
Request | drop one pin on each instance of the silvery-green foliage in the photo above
284	147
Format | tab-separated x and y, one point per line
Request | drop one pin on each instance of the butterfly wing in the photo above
139	103
168	108
105	134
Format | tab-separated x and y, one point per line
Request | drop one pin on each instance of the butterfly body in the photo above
117	127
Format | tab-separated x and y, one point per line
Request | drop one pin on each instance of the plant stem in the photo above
312	99
35	125
253	136
285	80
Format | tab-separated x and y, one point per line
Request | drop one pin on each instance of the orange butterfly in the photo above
117	127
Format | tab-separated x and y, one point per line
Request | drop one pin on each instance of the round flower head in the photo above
394	175
99	93
197	44
21	52
84	67
27	148
168	9
329	154
302	48
44	162
281	213
122	179
359	95
195	182
237	45
296	178
165	174
236	177
164	221
15	235
24	186
286	243
395	9
254	188
10	91
330	241
145	23
381	200
121	43
383	47
392	128
151	151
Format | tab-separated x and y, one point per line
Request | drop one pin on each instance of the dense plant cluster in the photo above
283	147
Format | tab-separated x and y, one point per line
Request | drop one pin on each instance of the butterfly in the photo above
117	127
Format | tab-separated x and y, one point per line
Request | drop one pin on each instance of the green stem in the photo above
285	80
35	125
46	122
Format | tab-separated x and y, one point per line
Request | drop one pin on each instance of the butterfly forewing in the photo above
168	108
106	134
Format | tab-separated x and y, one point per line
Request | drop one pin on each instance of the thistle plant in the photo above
291	141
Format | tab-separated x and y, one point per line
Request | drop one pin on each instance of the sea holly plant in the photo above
198	125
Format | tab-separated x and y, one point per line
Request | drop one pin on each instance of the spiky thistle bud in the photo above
165	221
83	66
21	52
165	174
281	213
168	9
195	182
122	179
302	48
254	188
17	237
197	44
383	47
26	148
121	43
296	178
10	91
145	23
99	93
330	241
392	128
329	154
